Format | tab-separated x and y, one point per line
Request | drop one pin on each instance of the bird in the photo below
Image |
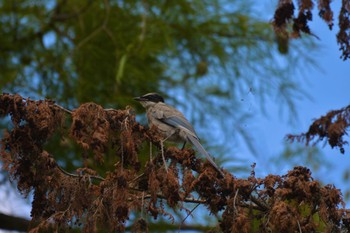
172	124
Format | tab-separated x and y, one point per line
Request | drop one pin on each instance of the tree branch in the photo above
12	223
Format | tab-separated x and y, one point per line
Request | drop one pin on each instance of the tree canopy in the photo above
76	66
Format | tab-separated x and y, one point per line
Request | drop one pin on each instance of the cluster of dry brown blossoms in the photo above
331	127
294	202
286	24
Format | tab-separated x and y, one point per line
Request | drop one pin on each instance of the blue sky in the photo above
329	89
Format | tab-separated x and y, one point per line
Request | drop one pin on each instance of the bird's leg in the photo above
183	146
162	148
163	157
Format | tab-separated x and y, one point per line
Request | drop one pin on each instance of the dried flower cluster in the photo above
290	203
284	17
332	126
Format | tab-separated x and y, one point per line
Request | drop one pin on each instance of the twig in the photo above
108	10
150	151
137	177
144	22
64	109
188	200
267	221
258	203
109	109
234	201
89	37
299	227
142	205
103	26
79	176
182	222
234	206
67	16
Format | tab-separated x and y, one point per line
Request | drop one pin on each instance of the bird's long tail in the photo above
201	149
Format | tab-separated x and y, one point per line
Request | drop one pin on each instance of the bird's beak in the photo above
138	98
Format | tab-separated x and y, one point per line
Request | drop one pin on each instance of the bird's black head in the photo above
151	97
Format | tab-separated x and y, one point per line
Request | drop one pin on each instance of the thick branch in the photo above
12	223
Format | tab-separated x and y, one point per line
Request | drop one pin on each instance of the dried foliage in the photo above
343	36
333	127
290	203
287	25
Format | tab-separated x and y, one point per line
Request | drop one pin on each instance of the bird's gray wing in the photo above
179	122
174	118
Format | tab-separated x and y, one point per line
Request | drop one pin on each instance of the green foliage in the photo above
294	155
107	51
